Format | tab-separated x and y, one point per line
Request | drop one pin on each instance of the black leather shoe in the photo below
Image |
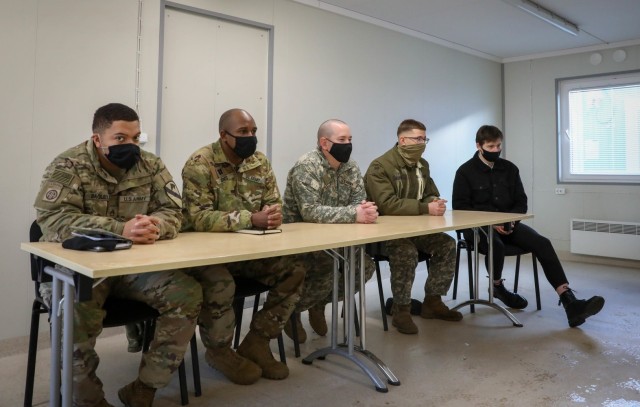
511	300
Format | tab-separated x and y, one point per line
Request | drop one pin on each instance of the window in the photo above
599	129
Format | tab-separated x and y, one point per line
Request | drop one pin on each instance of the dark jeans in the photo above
528	239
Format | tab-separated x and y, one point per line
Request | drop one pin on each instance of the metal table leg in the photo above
476	277
347	349
61	338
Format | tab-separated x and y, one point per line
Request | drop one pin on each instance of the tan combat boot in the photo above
236	368
302	334
402	319
434	308
256	349
137	394
317	320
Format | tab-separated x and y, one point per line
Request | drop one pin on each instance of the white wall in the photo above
64	58
530	131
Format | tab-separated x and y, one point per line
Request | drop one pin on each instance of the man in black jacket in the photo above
489	183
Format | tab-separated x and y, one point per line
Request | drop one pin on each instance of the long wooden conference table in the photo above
199	249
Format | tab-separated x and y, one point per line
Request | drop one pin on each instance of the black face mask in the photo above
124	156
245	146
341	152
490	156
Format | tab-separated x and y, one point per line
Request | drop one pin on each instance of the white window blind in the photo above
599	129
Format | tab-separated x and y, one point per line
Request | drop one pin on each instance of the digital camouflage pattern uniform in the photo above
402	189
220	197
77	191
317	193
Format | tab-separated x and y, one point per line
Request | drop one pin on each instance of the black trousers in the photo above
528	239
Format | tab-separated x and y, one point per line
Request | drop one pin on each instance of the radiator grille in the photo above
605	238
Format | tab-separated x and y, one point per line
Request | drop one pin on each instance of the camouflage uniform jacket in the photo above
317	193
77	191
219	196
398	188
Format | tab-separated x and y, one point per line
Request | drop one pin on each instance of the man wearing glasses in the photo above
400	184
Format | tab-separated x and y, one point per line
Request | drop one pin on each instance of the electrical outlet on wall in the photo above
560	191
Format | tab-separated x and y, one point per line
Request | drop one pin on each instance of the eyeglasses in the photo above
419	140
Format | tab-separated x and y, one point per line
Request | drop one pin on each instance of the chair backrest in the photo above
377	251
509	249
246	287
38	264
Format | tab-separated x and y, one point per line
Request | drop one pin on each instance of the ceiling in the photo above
497	29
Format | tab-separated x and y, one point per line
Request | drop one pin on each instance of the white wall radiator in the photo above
605	238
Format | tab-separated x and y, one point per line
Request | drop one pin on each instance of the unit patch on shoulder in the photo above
52	192
173	193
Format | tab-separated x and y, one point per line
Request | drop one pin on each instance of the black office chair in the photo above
510	250
119	312
378	253
251	288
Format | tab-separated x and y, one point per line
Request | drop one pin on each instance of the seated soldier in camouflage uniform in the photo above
400	183
228	186
107	182
325	186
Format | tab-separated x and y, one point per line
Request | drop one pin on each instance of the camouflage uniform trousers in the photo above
217	321
403	259
318	282
177	298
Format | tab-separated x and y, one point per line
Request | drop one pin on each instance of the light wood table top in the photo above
200	248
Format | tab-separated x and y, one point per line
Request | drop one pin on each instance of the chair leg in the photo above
283	357
535	280
381	295
355	318
294	333
472	307
238	306
517	274
256	303
195	365
455	273
182	375
36	310
148	331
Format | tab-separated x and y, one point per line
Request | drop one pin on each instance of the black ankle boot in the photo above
511	300
579	310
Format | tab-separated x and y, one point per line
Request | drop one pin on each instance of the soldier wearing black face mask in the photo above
325	186
123	156
489	183
106	182
229	186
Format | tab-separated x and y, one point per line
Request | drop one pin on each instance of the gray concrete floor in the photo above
481	361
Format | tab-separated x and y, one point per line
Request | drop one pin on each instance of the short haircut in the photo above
410	124
488	133
326	128
104	117
224	118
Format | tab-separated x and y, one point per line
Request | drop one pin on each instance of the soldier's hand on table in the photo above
366	212
270	217
142	229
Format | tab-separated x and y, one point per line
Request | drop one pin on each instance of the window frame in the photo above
563	87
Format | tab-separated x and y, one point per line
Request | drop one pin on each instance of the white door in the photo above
210	65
